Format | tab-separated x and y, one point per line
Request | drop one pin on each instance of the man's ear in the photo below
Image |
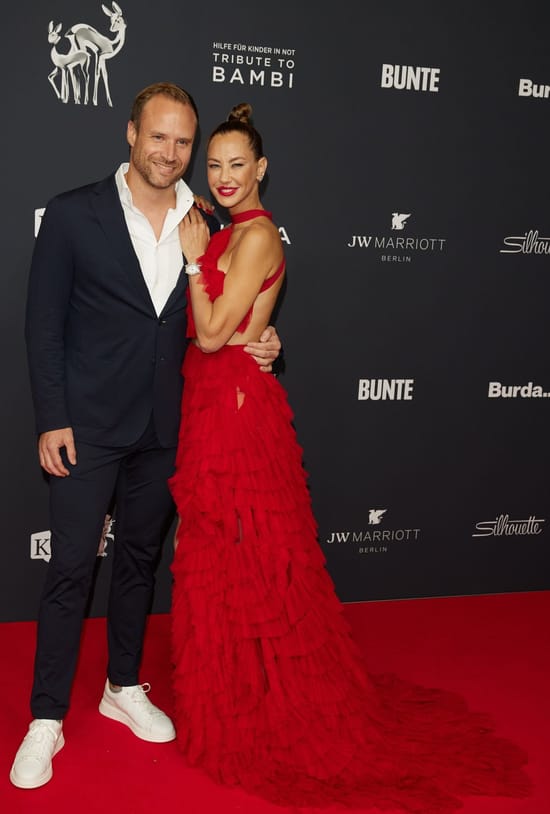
131	133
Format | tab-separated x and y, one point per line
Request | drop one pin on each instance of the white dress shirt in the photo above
160	260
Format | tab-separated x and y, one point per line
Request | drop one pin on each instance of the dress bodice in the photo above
212	278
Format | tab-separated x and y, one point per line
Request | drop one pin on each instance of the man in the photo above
106	336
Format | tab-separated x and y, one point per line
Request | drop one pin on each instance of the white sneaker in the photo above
32	766
131	706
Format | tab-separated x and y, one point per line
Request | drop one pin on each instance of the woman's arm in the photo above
251	261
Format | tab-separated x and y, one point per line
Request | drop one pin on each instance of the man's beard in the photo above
147	172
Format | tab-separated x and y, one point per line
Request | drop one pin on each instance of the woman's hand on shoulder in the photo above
194	235
203	204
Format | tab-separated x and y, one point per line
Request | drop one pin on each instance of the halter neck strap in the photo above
240	217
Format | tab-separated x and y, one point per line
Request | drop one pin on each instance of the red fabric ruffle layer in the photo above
271	693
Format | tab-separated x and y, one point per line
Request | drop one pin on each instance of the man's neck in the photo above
148	198
152	202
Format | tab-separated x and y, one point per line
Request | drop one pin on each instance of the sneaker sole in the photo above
45	777
111	711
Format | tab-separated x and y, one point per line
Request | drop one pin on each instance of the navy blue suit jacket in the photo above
101	361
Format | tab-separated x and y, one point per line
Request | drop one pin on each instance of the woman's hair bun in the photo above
240	121
241	113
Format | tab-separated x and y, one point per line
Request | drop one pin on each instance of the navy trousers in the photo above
136	476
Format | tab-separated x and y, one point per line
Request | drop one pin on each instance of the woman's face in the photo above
234	172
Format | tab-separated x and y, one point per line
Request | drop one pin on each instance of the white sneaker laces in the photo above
138	695
39	740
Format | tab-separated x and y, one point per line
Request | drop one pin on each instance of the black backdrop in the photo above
409	176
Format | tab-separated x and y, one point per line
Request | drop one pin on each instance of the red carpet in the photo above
492	649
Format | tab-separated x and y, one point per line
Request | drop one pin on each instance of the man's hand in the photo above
266	350
49	444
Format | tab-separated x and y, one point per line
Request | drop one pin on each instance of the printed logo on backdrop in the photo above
38	215
285	238
397	248
503	526
41	547
410	77
529	88
497	390
374	540
398	221
529	242
245	64
385	390
81	58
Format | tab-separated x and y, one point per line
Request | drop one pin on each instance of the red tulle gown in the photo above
271	692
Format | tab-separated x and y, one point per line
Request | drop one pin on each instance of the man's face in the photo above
161	148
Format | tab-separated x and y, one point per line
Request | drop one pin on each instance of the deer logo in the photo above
67	63
87	45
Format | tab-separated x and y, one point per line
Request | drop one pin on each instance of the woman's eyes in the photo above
217	166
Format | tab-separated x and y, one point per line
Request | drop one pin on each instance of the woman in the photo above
271	692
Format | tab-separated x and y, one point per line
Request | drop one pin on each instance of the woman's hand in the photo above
203	203
194	235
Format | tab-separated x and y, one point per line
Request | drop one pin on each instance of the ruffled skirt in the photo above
271	692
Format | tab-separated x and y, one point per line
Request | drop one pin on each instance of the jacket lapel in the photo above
177	296
108	210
